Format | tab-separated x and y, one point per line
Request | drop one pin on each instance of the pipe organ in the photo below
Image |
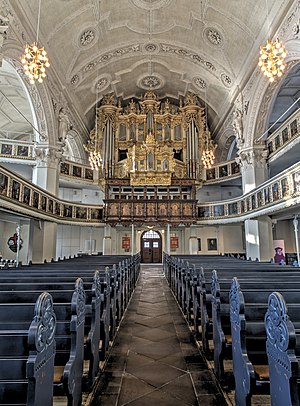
149	143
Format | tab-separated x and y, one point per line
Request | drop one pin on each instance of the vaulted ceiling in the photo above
209	47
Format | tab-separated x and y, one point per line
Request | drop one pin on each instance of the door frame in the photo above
152	239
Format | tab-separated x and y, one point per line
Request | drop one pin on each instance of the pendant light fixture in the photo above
34	59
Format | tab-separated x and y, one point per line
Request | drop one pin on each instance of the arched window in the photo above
151	234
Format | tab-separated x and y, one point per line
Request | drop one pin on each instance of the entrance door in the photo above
151	247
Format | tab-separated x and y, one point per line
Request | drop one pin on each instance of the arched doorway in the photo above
151	244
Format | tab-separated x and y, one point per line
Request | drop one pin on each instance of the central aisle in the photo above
154	360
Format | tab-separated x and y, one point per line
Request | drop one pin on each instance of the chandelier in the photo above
35	62
208	151
95	160
271	60
34	59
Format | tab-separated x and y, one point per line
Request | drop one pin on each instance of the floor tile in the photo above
154	359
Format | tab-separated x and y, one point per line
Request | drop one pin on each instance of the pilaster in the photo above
46	172
253	166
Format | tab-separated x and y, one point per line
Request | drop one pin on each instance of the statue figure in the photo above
64	124
238	125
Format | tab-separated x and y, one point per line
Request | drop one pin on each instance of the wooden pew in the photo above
27	355
283	351
211	303
199	312
250	363
69	337
111	310
254	291
97	313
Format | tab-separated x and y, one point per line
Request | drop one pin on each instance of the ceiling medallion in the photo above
89	66
151	4
199	82
226	80
87	37
151	82
214	36
101	83
74	80
150	47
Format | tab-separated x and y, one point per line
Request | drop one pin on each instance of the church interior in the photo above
150	130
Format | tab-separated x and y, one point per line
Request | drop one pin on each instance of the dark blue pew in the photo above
27	356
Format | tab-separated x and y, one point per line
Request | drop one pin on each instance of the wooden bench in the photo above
283	351
254	291
250	362
115	289
97	310
69	337
27	355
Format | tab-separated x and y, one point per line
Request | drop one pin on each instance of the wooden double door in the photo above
151	244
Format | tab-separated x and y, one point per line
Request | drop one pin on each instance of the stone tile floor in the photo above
154	359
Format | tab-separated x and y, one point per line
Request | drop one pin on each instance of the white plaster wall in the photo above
71	239
233	239
284	230
86	196
213	193
206	233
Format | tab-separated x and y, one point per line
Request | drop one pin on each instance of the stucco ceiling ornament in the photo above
213	36
152	81
296	29
101	84
184	53
199	82
87	37
75	80
151	47
5	21
291	25
226	80
89	66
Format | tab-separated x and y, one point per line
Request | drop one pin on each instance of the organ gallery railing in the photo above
284	135
16	190
281	191
222	171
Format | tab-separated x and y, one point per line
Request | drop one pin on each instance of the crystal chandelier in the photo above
34	59
95	160
271	60
208	151
35	62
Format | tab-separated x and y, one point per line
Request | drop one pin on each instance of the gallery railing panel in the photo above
285	134
222	171
15	189
16	149
283	190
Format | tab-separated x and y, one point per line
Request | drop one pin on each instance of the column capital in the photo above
48	156
254	156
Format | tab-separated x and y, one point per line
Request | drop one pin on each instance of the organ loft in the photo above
150	158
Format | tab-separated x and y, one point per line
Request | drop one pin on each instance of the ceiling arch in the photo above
174	46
